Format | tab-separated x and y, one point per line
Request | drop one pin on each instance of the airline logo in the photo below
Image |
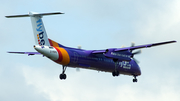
40	35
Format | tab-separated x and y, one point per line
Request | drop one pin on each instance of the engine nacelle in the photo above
122	55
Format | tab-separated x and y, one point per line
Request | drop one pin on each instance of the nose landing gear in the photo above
135	79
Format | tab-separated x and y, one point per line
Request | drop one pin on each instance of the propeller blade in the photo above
132	44
79	46
136	60
137	52
122	46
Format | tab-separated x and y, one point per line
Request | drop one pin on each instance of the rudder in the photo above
40	34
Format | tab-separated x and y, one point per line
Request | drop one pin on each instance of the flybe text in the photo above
40	35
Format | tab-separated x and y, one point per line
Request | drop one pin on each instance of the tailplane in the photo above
40	34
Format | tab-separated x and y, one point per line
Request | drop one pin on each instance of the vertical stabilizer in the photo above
40	34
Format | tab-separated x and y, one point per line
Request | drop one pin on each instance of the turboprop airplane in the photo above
114	60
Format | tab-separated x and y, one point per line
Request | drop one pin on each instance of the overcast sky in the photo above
93	24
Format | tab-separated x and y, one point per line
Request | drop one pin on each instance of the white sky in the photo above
93	24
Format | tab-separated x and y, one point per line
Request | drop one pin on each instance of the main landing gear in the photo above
115	72
63	75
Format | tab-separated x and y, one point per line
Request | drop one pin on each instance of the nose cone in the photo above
139	71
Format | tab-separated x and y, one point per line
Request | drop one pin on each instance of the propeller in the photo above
136	60
79	46
135	53
132	44
122	46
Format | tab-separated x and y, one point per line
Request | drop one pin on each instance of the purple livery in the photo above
114	60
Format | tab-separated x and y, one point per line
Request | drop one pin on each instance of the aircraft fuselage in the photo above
79	58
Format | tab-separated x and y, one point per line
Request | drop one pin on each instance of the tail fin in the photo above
40	34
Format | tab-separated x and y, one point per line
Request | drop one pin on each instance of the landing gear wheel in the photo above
115	73
62	76
134	80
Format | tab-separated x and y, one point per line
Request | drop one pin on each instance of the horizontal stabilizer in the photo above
29	53
33	14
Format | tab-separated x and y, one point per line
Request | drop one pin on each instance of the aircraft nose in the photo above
139	71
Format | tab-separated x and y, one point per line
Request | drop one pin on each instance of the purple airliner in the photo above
114	60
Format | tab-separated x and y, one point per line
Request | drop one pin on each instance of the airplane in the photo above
114	60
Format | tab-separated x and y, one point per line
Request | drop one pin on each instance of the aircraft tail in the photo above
40	34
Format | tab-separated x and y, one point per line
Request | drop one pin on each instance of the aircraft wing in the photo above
134	47
29	53
144	46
